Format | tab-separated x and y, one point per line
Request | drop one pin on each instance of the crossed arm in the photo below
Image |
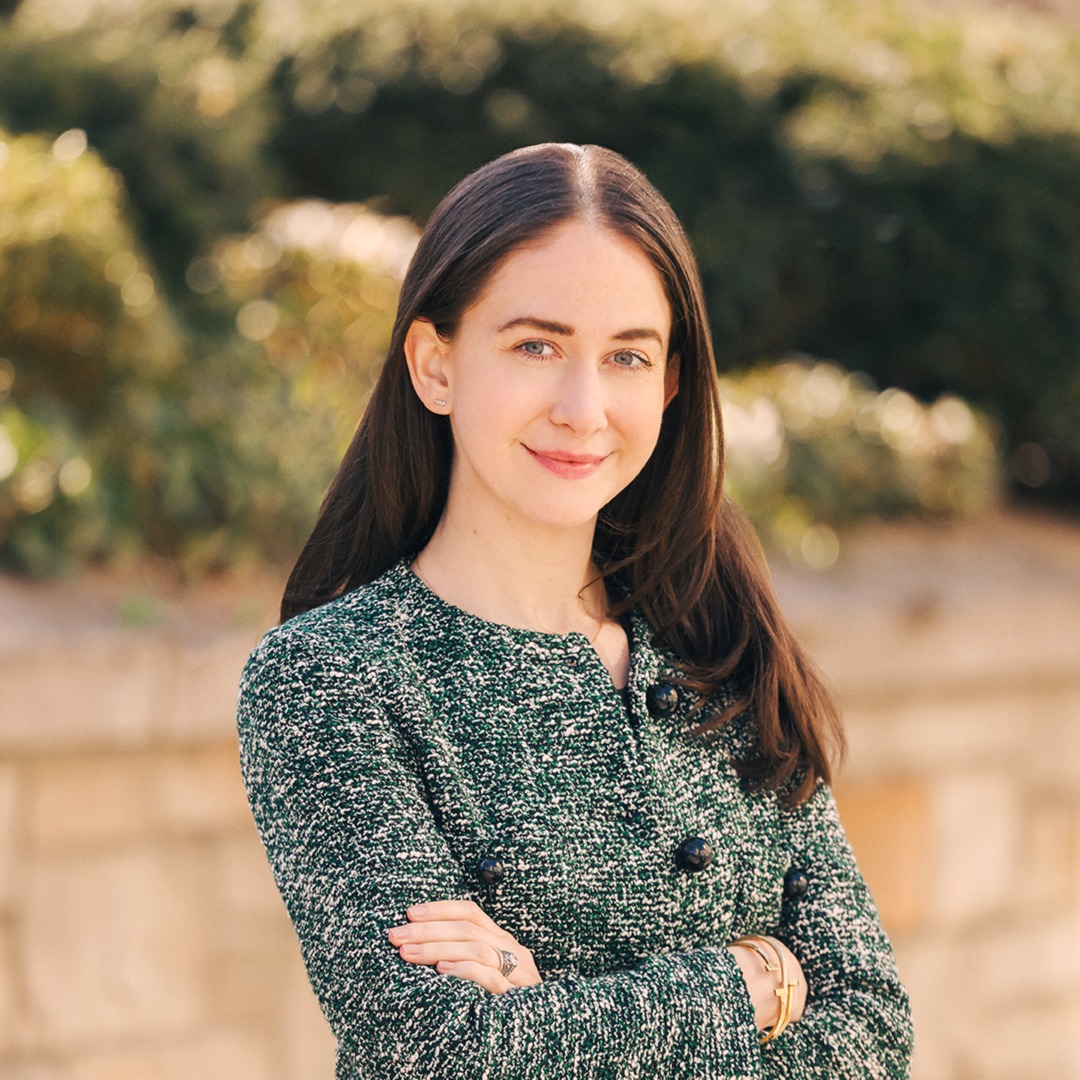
458	938
353	844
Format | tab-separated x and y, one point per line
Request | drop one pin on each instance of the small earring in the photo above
438	401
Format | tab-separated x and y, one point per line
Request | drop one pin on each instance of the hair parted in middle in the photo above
683	553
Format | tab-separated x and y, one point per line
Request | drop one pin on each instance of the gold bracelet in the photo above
785	992
752	944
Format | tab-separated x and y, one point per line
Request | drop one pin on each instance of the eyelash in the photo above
521	348
644	361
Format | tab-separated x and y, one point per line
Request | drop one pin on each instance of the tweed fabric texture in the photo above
390	741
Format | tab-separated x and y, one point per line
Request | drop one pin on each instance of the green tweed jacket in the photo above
397	749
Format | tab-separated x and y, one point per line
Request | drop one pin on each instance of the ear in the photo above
671	379
427	355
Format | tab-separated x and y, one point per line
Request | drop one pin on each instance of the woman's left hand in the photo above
458	938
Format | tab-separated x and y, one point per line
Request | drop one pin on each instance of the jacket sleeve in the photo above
857	1021
341	808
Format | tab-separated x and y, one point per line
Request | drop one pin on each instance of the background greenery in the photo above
184	354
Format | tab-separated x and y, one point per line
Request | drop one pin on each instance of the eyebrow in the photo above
635	333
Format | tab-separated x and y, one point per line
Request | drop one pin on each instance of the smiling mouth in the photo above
568	465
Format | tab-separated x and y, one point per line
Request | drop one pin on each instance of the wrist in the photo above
774	1007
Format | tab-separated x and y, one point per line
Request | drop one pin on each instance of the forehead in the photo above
580	274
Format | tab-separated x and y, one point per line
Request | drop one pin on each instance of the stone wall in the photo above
141	937
956	656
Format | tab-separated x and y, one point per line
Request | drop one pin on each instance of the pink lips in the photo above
567	465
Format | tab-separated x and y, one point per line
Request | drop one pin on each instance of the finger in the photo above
451	930
434	952
463	910
480	974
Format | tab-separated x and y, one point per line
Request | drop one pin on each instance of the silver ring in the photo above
509	962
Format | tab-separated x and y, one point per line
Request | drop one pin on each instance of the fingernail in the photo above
396	934
410	950
417	910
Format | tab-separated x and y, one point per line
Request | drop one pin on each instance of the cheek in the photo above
486	422
642	419
485	412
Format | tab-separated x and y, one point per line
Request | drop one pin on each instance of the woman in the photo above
540	770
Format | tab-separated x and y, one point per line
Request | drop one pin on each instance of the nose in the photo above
579	401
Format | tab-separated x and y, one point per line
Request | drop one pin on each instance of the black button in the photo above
694	854
662	698
795	883
490	871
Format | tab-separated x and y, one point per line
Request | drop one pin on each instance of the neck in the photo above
516	574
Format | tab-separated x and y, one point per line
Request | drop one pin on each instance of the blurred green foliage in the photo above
897	192
812	448
124	431
894	191
172	104
82	327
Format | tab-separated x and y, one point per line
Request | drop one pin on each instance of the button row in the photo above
694	854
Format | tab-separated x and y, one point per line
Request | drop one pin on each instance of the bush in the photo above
173	103
124	433
894	191
896	195
811	448
314	290
83	322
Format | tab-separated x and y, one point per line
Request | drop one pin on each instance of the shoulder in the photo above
358	634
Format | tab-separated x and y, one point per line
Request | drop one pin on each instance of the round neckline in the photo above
633	623
418	584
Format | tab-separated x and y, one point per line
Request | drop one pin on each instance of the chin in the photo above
562	517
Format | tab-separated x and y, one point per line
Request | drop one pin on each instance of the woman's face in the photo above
556	379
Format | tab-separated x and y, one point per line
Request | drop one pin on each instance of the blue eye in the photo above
535	348
630	359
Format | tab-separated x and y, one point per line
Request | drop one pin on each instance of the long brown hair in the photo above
683	552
